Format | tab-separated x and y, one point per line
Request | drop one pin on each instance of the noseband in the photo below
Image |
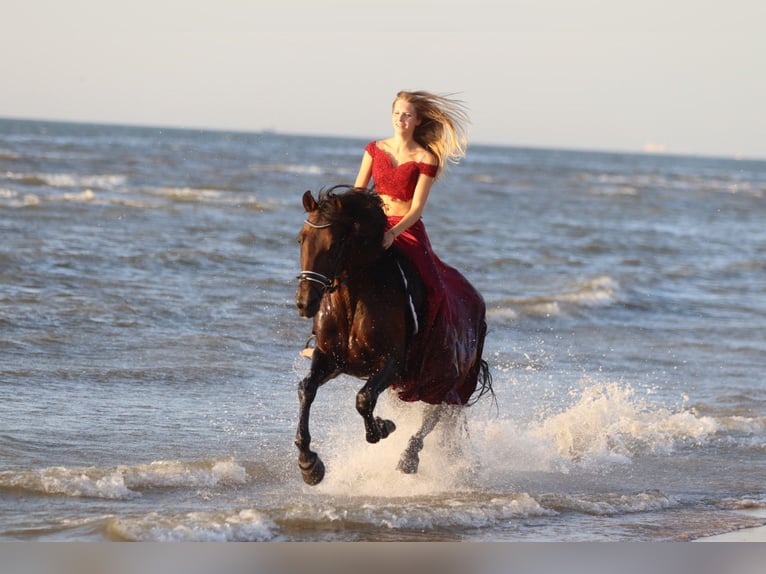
325	282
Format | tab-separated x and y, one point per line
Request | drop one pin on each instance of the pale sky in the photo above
683	76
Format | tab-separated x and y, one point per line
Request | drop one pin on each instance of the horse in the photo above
364	300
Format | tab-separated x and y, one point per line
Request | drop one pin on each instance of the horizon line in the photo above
648	149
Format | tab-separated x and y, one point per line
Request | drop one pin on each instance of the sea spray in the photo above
610	422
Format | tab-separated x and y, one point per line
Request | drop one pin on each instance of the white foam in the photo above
355	467
12	198
175	474
742	424
187	194
597	292
290	168
603	423
124	482
86	196
85	483
438	511
236	525
605	504
609	422
205	195
97	181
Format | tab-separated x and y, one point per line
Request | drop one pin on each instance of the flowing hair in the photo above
443	129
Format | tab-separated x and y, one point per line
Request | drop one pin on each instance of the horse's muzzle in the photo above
311	287
307	299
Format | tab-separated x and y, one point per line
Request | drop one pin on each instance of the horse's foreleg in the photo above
410	459
375	428
310	464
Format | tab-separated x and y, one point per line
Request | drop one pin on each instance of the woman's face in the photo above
405	117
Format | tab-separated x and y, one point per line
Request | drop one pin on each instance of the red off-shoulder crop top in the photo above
396	181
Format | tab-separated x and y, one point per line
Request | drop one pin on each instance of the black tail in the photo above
484	384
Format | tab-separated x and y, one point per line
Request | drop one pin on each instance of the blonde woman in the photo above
429	133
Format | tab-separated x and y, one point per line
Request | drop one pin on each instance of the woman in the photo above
429	133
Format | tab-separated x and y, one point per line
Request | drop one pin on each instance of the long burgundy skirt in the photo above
442	360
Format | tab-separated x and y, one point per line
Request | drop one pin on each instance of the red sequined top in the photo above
396	181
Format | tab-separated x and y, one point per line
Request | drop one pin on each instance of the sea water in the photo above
149	345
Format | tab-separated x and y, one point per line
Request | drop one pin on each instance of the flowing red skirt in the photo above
442	361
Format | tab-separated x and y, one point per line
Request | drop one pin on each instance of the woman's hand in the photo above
388	238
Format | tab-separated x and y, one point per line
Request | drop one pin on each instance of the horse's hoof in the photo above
313	473
386	427
408	464
380	429
410	460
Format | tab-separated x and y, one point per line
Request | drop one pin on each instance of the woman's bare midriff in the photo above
393	206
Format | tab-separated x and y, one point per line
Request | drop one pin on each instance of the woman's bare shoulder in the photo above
428	158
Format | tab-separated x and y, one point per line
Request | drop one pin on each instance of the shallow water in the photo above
149	344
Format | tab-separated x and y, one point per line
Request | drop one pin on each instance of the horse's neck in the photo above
366	278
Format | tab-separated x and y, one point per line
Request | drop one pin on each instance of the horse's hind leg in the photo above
410	459
375	428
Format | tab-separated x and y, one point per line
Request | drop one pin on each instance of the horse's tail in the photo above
484	384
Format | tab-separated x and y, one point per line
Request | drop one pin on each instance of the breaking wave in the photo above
123	482
597	292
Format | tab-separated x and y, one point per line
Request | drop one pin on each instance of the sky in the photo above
664	76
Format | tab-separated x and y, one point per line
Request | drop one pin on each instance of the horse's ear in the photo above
309	203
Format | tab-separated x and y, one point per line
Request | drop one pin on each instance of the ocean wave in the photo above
301	520
746	503
98	181
742	424
295	169
634	183
597	292
231	526
123	482
205	196
297	520
289	168
609	504
420	513
15	199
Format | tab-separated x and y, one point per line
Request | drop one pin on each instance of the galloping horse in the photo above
364	301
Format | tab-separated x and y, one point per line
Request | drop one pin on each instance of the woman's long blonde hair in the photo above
443	129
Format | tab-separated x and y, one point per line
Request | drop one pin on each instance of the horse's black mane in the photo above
358	209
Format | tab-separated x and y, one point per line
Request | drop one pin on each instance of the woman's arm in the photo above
365	172
419	200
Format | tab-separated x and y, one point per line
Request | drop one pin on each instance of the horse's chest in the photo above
357	337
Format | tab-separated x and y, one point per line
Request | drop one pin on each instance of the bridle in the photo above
328	285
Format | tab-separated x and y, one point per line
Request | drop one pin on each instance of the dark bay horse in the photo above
363	317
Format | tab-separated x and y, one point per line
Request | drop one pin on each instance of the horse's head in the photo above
341	232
